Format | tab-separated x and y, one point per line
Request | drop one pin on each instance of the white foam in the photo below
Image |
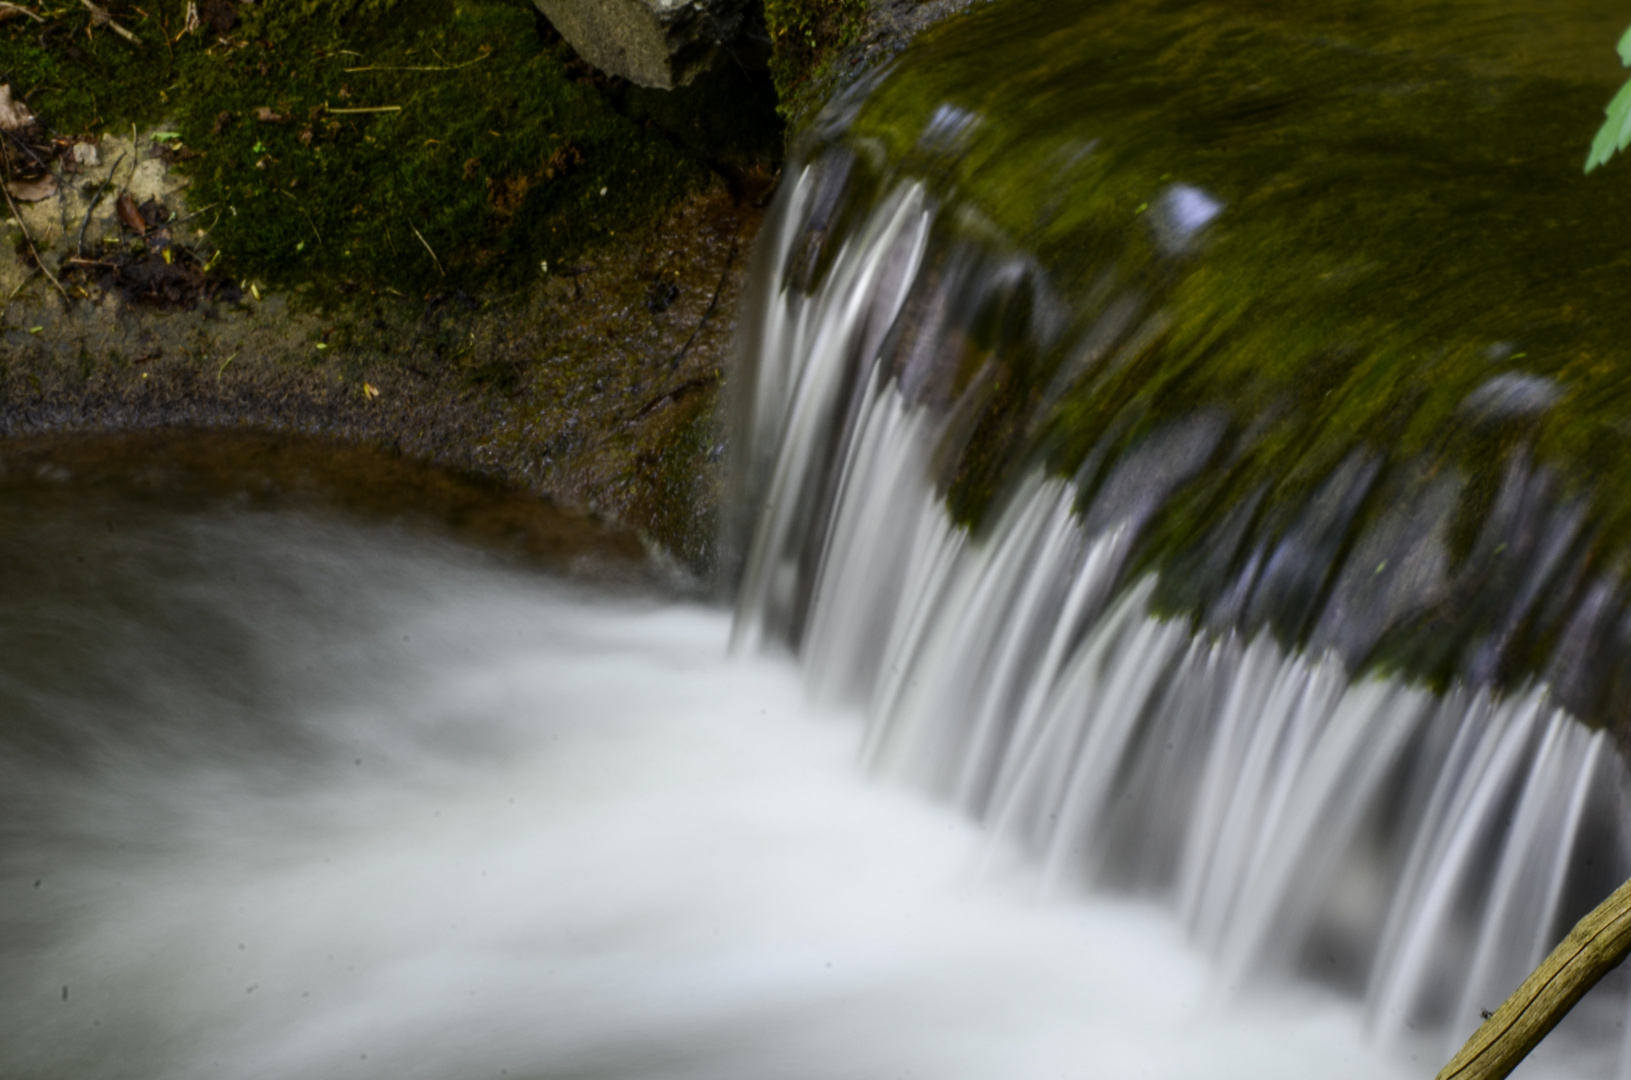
582	842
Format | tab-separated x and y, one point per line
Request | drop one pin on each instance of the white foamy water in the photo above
1417	850
450	820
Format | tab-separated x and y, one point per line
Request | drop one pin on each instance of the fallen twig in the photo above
373	109
79	244
730	259
1597	945
22	145
395	67
668	396
100	17
433	257
33	251
17	9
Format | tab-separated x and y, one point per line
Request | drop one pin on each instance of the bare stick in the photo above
1597	945
376	108
433	257
100	17
22	145
18	9
724	274
29	240
79	244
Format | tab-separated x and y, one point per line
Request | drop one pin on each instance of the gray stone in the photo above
658	43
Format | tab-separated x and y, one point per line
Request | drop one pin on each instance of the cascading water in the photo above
1334	721
1182	509
292	794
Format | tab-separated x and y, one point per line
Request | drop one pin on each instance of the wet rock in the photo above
656	43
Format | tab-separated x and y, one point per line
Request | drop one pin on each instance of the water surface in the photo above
303	794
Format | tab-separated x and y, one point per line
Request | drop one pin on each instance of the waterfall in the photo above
294	795
1417	847
1178	453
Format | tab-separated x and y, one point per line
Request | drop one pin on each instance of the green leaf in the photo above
1625	47
1615	134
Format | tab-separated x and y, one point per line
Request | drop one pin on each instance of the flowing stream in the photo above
296	795
1181	625
1166	425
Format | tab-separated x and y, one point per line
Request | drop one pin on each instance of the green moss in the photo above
492	155
804	36
1403	212
1402	221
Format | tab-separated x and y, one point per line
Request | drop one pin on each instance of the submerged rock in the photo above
656	43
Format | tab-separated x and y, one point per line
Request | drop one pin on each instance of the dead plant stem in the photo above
433	257
100	17
79	243
34	252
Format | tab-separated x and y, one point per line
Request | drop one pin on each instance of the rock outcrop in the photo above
657	43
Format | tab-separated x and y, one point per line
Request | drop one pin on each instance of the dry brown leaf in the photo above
14	115
270	116
41	187
125	207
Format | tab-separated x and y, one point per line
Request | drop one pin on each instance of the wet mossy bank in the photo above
417	224
598	389
421	226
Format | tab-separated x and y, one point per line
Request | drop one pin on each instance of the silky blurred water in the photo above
287	795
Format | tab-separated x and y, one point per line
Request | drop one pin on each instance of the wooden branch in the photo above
1597	945
100	17
17	216
10	10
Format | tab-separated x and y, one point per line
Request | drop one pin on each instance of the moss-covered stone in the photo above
1389	242
805	35
1407	307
